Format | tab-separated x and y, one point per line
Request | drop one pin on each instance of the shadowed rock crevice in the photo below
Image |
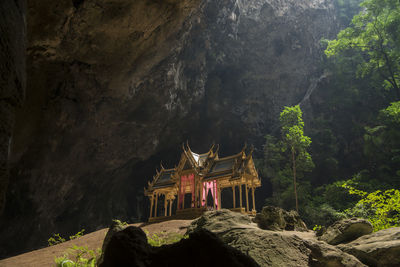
129	247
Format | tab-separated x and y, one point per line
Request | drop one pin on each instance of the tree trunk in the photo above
294	180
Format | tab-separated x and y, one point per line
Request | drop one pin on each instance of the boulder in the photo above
202	248
346	230
271	248
115	227
381	248
277	219
129	247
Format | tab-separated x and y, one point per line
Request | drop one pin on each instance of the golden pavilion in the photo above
196	183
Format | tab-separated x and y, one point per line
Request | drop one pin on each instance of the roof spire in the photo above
217	149
212	147
183	146
162	167
187	144
244	147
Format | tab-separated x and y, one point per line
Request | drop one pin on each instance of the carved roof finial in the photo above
162	167
187	144
245	146
212	147
183	147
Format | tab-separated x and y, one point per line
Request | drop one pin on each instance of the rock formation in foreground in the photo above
227	238
272	248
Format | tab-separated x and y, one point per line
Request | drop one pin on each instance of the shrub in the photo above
55	239
78	257
381	208
77	235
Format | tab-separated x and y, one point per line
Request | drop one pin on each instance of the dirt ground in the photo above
45	257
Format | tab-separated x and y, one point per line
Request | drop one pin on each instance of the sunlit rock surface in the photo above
380	248
271	248
115	86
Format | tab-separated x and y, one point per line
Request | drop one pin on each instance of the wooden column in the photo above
155	208
234	196
170	206
165	205
183	200
247	197
201	194
179	192
254	200
196	198
219	198
151	206
240	193
215	193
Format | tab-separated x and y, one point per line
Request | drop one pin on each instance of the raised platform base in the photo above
192	213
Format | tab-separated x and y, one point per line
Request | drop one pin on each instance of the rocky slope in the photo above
114	86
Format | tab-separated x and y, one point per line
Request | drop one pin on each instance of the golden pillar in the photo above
179	192
155	206
240	195
151	205
201	194
183	200
165	205
215	192
234	196
219	198
254	200
247	197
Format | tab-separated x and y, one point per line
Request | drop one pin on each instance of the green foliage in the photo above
163	238
317	227
391	115
294	140
375	36
77	235
55	239
280	157
381	208
119	222
79	256
292	128
382	146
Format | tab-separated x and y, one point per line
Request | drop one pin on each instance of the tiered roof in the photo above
207	165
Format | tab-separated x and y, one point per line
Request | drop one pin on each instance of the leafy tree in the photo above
381	208
382	146
296	143
375	36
